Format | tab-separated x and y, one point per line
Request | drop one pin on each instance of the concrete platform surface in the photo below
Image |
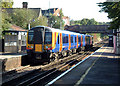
101	68
11	61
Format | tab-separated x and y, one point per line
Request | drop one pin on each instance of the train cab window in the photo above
48	36
65	39
30	36
71	39
36	35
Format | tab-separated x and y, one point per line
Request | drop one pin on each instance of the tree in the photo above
113	10
61	14
56	22
92	22
39	21
72	22
22	17
7	4
6	20
85	21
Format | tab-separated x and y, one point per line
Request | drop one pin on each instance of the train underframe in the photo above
36	57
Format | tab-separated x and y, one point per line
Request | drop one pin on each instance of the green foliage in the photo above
39	21
103	23
56	22
61	14
6	4
113	10
6	19
72	22
86	21
22	17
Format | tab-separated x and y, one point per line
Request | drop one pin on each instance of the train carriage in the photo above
45	43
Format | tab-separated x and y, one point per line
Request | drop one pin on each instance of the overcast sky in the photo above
75	9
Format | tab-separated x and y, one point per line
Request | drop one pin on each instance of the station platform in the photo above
10	61
103	67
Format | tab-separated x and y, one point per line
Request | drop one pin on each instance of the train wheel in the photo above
64	53
69	52
79	49
53	57
74	51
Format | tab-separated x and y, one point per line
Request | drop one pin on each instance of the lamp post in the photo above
29	23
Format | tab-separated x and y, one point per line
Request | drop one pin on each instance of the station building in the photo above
14	40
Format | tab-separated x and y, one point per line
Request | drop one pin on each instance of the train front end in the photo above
39	43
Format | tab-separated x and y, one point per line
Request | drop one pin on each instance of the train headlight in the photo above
50	48
31	46
46	46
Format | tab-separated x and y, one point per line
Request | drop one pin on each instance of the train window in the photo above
65	39
30	36
75	39
48	37
79	39
38	36
87	39
71	39
58	39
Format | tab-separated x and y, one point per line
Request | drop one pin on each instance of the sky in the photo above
75	9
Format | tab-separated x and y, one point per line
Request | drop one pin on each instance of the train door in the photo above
69	41
72	43
89	40
55	40
60	42
75	41
79	41
65	41
83	37
57	43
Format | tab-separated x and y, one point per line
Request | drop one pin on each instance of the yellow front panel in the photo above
29	46
38	47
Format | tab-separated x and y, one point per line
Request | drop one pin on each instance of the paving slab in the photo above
101	68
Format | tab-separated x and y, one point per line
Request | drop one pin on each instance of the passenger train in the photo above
49	44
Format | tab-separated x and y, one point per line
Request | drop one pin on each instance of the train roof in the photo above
60	31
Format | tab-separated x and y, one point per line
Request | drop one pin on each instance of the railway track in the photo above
45	73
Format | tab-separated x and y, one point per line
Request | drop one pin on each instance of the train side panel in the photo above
55	42
83	37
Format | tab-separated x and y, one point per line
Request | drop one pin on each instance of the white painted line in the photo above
54	80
